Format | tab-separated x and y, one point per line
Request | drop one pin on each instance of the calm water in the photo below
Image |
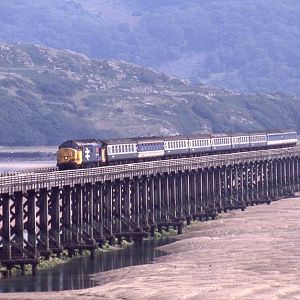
75	274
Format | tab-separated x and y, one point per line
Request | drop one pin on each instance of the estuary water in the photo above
76	273
21	165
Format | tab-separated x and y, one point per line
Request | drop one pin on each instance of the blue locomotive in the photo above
93	152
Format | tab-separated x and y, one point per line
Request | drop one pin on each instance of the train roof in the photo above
119	141
216	135
78	143
178	137
240	134
150	139
199	136
282	131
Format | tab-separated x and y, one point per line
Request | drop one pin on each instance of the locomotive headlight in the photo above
66	157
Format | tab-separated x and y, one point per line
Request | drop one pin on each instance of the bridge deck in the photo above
24	182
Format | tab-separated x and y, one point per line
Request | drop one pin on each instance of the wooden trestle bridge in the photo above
46	213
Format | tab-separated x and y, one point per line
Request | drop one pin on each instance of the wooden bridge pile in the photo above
42	214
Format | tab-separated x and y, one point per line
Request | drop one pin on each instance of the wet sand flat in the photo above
244	255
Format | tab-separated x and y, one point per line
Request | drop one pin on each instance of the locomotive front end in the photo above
69	157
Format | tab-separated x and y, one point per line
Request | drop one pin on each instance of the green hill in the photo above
48	96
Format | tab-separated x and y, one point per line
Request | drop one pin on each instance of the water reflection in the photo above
75	275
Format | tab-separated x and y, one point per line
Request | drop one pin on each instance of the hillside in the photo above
48	96
250	46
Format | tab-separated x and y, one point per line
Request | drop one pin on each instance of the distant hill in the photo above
48	96
242	45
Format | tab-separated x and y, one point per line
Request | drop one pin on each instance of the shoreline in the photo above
243	255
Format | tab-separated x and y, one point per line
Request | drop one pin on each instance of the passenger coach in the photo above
94	152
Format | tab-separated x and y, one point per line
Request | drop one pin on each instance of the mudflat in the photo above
253	254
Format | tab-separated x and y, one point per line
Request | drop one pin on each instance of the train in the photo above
73	154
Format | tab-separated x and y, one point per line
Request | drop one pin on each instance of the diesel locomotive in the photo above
95	152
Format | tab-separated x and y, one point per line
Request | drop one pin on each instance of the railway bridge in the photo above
42	214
